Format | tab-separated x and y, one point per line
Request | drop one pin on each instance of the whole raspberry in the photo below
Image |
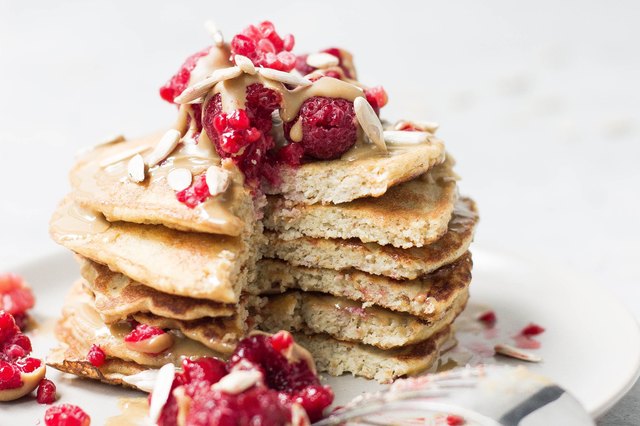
46	392
180	80
265	47
329	127
66	415
96	356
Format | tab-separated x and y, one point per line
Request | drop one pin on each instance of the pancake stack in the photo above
363	257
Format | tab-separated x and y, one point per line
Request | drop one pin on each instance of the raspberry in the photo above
197	193
28	365
15	295
210	370
46	392
96	356
281	341
532	330
453	420
377	97
9	376
66	415
329	127
488	318
247	144
265	47
291	154
176	84
143	332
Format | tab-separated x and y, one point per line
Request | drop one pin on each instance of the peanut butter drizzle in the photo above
133	412
77	222
218	57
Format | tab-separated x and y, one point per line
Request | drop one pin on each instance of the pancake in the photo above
118	296
365	172
102	185
80	327
393	262
208	266
346	320
68	360
413	214
337	357
428	297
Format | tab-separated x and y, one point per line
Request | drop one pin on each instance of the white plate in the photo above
591	345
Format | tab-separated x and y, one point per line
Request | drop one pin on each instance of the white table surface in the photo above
538	102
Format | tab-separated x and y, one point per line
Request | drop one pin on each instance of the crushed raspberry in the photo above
286	383
96	356
282	341
16	296
488	318
143	332
176	84
9	376
46	392
66	415
453	420
246	143
532	330
28	365
377	97
197	193
329	127
291	154
265	47
301	65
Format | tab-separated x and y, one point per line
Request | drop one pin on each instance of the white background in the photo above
539	103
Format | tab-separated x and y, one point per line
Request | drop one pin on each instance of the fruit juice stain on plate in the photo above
133	413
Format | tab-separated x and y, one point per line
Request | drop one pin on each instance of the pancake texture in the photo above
213	267
413	214
347	179
393	262
345	320
428	297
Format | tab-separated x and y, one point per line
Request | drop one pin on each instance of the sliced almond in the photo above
123	155
369	122
513	352
161	390
201	88
322	60
284	77
238	381
404	137
144	380
218	38
218	180
299	415
135	169
167	144
179	179
245	64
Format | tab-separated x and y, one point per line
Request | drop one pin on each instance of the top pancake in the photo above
208	266
101	184
413	214
367	173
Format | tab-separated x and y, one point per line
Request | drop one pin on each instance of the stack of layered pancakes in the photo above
364	258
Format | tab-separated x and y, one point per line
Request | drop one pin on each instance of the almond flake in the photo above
217	180
135	169
238	381
284	77
218	38
513	352
402	137
161	390
299	415
245	64
167	144
201	88
179	179
144	380
322	60
123	155
369	122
